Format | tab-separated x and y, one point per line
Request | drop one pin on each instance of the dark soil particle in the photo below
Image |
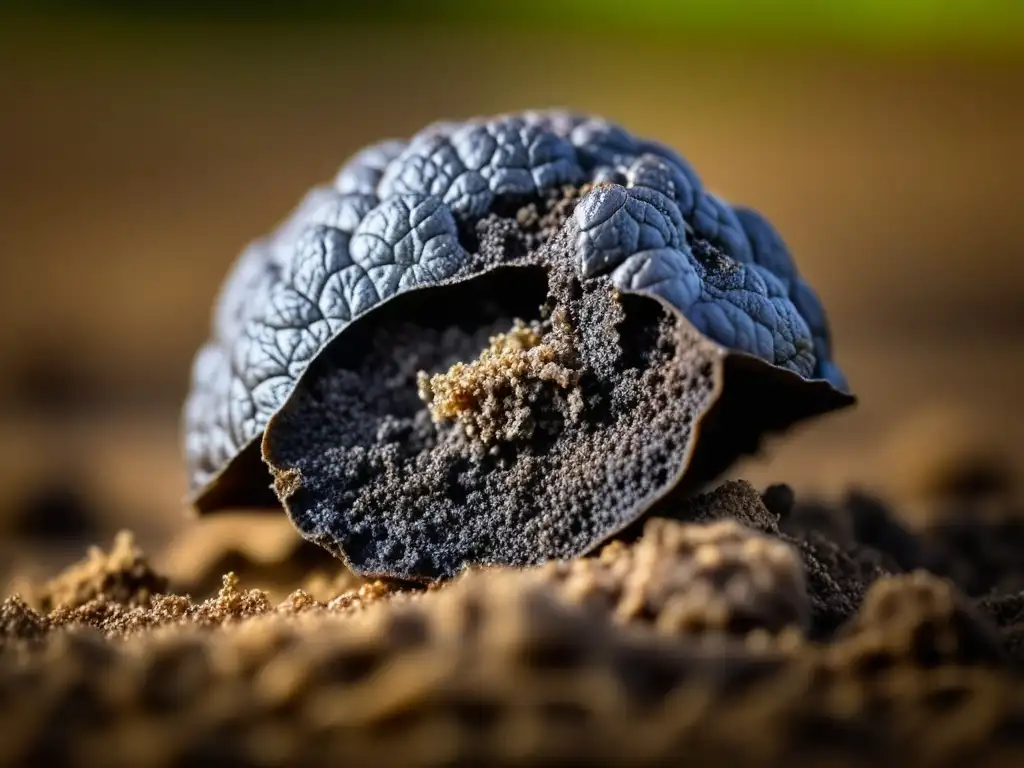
1007	612
975	543
734	500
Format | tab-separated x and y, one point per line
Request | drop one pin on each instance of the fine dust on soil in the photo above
520	416
662	649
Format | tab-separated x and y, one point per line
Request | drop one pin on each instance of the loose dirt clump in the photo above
123	576
687	580
505	394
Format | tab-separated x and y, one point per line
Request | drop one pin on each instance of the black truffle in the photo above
499	343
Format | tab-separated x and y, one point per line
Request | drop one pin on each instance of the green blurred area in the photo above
984	26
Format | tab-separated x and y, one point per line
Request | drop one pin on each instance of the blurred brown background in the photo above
137	159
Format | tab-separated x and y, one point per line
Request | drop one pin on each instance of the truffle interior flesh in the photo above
516	417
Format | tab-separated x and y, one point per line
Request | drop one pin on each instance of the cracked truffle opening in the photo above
514	418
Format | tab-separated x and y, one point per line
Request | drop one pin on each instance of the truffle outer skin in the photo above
389	223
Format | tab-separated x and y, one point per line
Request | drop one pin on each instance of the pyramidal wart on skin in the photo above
502	341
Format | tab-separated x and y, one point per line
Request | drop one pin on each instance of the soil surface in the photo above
818	631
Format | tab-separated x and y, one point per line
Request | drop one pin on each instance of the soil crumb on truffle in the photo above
506	392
